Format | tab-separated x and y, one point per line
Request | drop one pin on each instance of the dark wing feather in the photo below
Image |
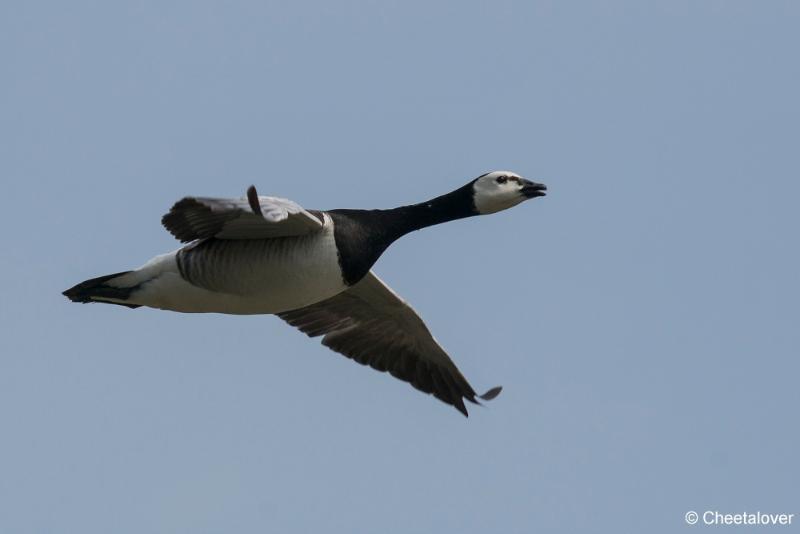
253	217
372	325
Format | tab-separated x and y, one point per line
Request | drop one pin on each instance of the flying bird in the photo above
268	255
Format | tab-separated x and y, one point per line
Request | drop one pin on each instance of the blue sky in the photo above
643	317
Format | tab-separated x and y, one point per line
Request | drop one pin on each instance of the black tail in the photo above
94	288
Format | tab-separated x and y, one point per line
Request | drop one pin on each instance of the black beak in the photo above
532	189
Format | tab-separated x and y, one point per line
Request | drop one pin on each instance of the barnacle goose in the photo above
258	255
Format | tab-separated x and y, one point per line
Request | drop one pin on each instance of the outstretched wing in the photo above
372	325
253	217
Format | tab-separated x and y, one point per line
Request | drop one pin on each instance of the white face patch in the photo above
497	191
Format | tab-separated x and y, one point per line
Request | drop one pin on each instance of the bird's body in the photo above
266	255
242	277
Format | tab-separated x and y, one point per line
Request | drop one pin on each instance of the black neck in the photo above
400	221
363	235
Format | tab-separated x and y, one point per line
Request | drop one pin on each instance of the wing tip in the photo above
489	395
492	393
252	198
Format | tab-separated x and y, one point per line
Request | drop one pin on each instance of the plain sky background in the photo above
644	318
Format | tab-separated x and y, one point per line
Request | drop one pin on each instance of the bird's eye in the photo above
501	179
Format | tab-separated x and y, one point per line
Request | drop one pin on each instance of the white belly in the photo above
242	276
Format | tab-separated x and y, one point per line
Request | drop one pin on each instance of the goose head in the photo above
500	190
